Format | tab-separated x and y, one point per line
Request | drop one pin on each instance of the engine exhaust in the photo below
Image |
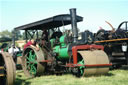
74	24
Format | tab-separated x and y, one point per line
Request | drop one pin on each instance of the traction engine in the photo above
63	52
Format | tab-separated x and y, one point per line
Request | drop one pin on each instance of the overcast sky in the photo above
15	13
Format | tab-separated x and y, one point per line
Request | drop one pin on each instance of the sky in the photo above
14	13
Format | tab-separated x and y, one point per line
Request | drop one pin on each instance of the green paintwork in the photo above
62	49
31	63
52	42
62	39
6	49
56	49
19	54
62	52
81	67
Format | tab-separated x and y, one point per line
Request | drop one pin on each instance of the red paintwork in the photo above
95	65
2	50
99	65
27	44
46	60
84	47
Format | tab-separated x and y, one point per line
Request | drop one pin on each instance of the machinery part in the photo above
31	62
101	35
74	24
90	59
113	29
19	60
19	63
126	25
121	32
9	70
62	49
126	55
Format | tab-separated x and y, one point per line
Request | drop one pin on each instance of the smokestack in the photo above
74	24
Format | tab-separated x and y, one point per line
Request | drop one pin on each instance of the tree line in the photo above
9	34
17	34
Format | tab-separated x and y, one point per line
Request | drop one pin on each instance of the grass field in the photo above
114	77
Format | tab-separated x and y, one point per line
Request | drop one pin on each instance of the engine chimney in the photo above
74	24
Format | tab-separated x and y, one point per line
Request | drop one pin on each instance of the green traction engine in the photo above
61	52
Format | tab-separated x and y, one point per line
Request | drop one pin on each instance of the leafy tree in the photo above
6	33
17	34
11	34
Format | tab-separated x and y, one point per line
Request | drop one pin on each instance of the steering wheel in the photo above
126	25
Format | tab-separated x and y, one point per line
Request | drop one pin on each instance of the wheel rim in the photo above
31	63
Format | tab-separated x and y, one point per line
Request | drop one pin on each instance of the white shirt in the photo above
10	50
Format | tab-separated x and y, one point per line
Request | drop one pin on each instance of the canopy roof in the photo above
49	23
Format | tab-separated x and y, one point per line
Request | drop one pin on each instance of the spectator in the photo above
4	47
13	49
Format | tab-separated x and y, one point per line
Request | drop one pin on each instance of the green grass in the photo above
114	77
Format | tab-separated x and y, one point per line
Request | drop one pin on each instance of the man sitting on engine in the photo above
33	44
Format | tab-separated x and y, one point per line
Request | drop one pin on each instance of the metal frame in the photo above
126	24
34	32
88	66
85	47
113	40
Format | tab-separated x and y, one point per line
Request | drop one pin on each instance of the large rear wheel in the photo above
31	62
